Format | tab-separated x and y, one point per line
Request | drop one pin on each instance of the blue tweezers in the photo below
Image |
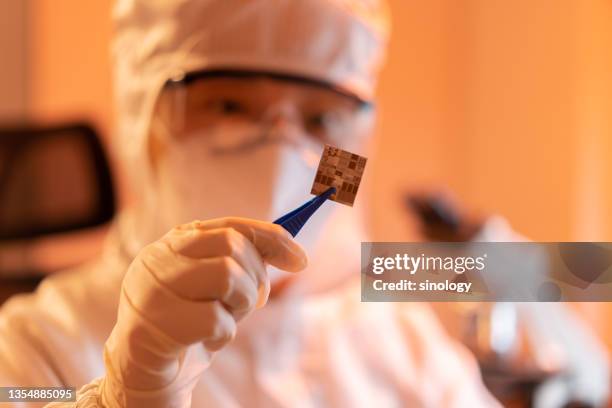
294	221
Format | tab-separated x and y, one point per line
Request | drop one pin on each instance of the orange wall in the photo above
507	103
69	61
13	76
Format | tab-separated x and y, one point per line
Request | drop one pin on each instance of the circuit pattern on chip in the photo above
341	169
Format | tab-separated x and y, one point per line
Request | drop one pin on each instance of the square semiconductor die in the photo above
341	169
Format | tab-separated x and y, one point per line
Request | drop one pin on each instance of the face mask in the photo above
193	180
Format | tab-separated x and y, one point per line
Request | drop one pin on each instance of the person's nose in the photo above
283	124
281	114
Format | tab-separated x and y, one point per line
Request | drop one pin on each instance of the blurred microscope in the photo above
521	364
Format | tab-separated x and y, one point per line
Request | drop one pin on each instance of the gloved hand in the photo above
180	301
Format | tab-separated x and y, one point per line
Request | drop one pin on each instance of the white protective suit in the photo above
314	344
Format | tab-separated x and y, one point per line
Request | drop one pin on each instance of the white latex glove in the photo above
180	300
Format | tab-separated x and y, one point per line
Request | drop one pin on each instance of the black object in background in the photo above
52	180
434	212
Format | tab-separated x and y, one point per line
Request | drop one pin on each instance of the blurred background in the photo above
508	104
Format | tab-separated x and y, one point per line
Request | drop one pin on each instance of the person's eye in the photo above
227	107
323	121
315	122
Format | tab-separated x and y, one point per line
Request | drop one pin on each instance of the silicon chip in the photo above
341	169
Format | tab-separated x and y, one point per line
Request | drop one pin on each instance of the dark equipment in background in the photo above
55	186
440	218
52	180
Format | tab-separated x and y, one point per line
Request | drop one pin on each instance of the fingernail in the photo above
263	293
304	261
299	252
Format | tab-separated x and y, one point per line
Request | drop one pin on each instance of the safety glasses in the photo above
260	108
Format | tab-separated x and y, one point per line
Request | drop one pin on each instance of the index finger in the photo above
273	242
